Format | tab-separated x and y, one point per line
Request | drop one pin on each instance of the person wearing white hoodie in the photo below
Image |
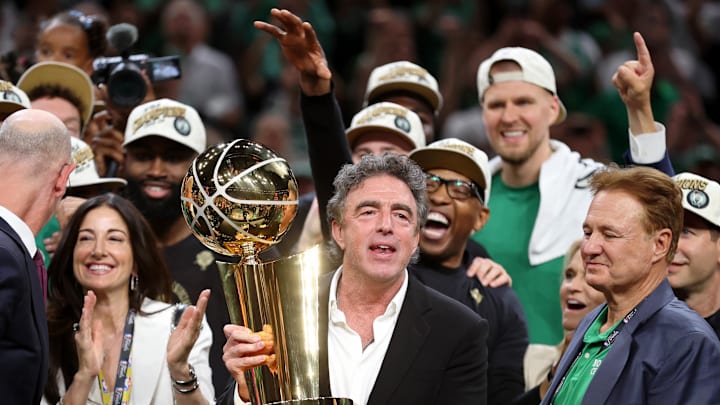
540	192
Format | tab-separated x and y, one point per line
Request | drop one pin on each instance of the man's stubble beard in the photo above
518	158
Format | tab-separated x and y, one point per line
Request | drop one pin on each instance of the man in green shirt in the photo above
539	186
644	346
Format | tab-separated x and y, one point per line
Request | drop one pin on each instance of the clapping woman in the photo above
113	338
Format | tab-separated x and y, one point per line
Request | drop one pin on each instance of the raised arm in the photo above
633	79
302	49
328	149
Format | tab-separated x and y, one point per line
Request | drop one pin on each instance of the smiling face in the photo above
619	253
154	168
103	256
577	298
517	117
697	260
450	222
379	230
64	43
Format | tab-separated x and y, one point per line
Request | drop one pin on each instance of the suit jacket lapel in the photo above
605	379
568	358
149	354
324	298
408	337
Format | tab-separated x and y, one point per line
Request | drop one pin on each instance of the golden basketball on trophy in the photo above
240	198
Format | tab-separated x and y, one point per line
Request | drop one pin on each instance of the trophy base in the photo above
315	401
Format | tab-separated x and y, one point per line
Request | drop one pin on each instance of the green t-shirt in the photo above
51	227
506	236
578	378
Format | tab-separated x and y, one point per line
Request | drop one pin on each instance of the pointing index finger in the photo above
643	54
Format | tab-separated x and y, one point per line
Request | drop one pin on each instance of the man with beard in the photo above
162	138
694	273
540	190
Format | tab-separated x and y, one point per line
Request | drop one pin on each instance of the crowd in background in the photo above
237	79
239	82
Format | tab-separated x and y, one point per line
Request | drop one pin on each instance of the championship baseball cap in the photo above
701	196
403	75
12	98
458	156
61	75
388	117
168	119
534	69
85	172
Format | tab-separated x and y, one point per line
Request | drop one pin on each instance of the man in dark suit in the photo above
35	166
390	339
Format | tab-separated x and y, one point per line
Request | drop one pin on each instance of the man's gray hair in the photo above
351	176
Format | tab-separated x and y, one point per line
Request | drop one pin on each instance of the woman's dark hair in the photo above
93	26
65	294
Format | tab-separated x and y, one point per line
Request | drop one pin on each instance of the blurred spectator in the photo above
272	129
72	37
676	70
63	90
11	99
389	38
584	134
208	80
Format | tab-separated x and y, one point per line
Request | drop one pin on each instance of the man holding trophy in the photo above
390	339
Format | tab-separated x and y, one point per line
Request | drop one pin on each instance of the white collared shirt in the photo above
20	228
353	370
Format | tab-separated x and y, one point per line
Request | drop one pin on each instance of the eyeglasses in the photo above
457	189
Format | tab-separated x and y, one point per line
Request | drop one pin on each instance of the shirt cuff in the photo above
236	397
648	147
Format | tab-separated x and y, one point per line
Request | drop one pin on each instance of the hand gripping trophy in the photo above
240	198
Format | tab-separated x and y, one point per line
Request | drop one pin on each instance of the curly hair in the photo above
93	26
351	176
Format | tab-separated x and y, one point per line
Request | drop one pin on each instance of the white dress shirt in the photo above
20	228
353	370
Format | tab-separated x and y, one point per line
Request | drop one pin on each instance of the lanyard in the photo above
619	328
606	344
121	393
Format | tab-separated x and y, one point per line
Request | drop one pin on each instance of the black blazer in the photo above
23	325
437	354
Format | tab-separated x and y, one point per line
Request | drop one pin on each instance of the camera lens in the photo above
126	86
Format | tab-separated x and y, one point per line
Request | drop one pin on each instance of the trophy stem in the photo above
248	253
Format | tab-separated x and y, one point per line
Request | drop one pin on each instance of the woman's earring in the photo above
133	282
